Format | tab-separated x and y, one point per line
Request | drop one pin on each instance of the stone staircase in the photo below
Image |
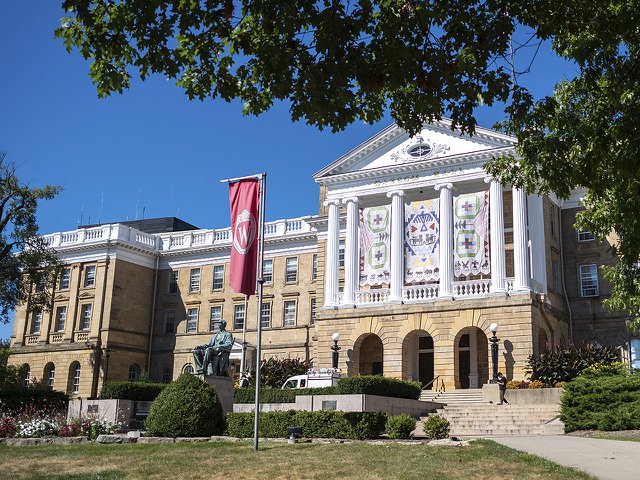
469	416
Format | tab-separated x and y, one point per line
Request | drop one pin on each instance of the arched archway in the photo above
417	357
370	355
471	357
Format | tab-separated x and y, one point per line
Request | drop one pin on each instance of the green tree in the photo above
28	266
337	62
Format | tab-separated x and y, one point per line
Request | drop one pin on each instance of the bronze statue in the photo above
213	358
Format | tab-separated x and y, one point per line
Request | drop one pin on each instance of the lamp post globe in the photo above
335	348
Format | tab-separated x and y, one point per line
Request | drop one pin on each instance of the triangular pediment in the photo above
435	144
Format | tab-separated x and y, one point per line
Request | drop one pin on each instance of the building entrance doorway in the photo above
472	358
417	358
371	356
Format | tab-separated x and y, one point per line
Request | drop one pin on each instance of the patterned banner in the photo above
422	241
374	245
471	234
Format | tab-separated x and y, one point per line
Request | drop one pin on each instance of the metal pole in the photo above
334	356
244	335
494	356
263	185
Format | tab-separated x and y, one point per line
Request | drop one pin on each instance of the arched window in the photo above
49	375
74	377
134	372
27	375
188	368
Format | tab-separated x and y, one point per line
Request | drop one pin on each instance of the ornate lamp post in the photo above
335	348
494	351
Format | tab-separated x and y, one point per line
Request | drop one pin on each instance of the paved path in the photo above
605	459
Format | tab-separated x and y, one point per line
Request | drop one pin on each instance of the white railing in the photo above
339	298
145	239
55	338
293	226
32	339
379	295
471	288
199	238
176	241
69	237
270	228
82	336
508	284
416	293
220	235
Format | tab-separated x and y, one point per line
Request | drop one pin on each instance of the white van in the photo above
314	378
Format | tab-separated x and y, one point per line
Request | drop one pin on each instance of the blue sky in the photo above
151	148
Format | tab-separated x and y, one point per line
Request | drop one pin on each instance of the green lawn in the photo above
483	459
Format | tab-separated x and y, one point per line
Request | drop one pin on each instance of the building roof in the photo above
155	225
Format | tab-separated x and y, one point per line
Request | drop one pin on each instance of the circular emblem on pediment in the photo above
419	149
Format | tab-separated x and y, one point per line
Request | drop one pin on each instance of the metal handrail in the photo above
429	384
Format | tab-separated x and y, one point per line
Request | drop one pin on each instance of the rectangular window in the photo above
218	277
341	249
555	276
312	319
192	320
65	279
215	318
267	271
266	315
173	282
552	220
51	378
589	280
76	380
289	308
61	317
238	317
170	322
585	236
314	267
194	280
90	276
291	273
36	322
85	319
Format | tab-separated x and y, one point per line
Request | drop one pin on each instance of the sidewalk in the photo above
605	459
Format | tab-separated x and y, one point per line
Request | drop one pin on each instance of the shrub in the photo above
137	391
400	426
37	428
378	385
322	424
187	407
39	399
514	384
602	402
536	384
275	371
564	364
436	427
599	370
7	427
277	395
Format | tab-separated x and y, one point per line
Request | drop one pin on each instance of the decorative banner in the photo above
374	245
244	199
471	234
422	241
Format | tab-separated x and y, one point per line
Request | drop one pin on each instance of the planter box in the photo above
346	403
128	413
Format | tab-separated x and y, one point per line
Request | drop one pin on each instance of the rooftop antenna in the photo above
171	201
143	210
137	203
81	215
101	204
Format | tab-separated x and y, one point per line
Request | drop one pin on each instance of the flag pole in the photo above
260	281
244	335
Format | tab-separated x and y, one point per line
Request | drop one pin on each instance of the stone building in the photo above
414	254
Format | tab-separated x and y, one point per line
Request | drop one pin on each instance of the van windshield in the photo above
290	384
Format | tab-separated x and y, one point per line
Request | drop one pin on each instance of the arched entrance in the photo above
471	358
370	354
417	357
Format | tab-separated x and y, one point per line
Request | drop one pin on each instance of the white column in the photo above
446	240
351	254
331	256
496	229
535	212
520	250
397	245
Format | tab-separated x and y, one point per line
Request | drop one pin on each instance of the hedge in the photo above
601	403
143	391
378	385
322	424
277	395
11	399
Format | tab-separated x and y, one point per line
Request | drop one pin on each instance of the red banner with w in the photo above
244	201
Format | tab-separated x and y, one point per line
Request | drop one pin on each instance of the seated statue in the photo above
213	358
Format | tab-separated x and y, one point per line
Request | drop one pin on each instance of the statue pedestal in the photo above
224	386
